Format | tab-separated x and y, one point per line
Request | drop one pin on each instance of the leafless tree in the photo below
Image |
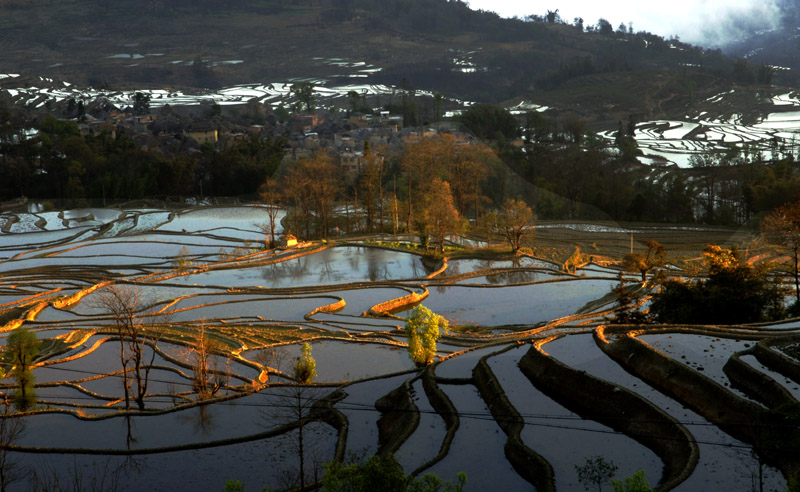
516	221
783	227
371	180
102	477
271	197
294	404
125	305
11	430
208	379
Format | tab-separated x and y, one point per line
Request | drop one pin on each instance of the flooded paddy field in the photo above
221	321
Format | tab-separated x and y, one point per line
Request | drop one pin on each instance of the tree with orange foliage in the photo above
314	184
440	214
515	222
463	165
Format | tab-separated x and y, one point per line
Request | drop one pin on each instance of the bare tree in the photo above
516	222
11	430
271	196
125	305
313	184
371	181
294	404
208	378
783	227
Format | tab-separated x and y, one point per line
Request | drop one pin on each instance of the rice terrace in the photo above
530	367
399	246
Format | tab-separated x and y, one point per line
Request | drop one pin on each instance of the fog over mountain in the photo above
710	23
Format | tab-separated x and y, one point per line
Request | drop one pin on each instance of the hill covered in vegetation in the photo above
603	73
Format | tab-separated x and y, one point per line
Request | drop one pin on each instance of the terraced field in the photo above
530	382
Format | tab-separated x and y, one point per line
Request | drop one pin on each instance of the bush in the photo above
635	483
733	293
423	330
383	473
305	369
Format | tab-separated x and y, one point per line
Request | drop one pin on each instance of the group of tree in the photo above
782	226
578	175
583	176
383	472
380	472
59	163
733	292
430	189
596	471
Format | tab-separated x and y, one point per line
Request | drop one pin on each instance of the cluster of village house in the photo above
178	130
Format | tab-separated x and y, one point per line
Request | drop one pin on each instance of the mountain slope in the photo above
436	45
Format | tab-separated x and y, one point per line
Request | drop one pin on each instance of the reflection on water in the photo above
515	305
202	419
345	264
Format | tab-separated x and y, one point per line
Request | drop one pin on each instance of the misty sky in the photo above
705	22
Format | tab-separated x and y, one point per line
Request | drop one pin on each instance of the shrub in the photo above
383	473
305	369
733	293
635	483
423	328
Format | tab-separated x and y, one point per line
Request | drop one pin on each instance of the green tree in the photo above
305	369
793	484
635	483
304	92
595	472
183	261
357	102
380	472
604	27
141	103
383	473
423	328
282	113
487	122
234	486
22	348
214	110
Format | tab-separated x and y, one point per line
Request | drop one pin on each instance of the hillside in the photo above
432	45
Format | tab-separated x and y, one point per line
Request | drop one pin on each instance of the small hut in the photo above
287	241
